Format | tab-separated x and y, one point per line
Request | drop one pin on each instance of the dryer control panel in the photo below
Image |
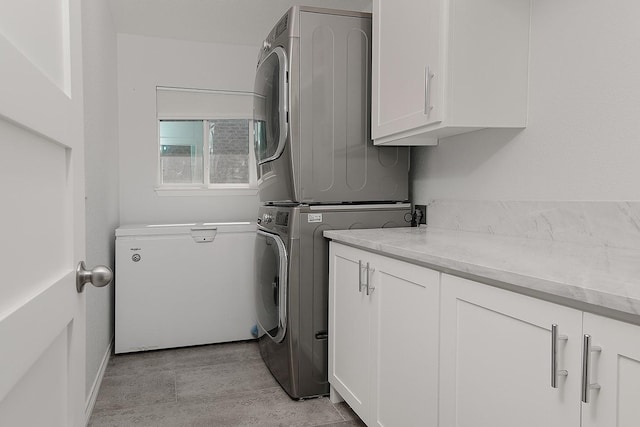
282	218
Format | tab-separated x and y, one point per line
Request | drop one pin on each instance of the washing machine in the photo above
291	286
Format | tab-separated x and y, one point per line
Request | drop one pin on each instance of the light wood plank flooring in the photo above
215	385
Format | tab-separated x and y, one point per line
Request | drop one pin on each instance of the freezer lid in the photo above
184	228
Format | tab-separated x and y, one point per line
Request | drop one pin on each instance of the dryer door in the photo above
271	128
270	107
271	284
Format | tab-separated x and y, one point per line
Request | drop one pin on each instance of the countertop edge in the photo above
563	292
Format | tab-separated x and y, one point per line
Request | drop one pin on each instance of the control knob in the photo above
267	218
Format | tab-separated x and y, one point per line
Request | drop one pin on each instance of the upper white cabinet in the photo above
445	67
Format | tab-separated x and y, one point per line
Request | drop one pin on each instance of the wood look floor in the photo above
215	385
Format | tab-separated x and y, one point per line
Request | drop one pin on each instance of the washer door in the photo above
271	284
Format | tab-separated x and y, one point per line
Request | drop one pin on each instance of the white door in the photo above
496	358
616	369
406	332
406	316
350	327
42	320
407	65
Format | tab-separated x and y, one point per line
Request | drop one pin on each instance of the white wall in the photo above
101	164
582	139
143	64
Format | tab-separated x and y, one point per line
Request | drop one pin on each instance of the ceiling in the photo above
244	22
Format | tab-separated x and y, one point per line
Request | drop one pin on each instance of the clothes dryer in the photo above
312	110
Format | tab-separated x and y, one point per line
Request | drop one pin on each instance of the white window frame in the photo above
206	188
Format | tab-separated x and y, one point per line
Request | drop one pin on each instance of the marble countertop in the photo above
601	276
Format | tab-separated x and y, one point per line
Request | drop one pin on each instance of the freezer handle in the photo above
204	234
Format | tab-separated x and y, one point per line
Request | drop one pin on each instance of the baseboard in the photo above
91	400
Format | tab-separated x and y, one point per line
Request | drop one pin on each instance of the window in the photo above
210	153
181	150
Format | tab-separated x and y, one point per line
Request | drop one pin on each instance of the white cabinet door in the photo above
383	337
442	68
349	329
496	359
405	344
406	35
42	319
616	369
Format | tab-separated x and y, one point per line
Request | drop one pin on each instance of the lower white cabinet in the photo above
497	362
495	359
409	346
383	337
350	360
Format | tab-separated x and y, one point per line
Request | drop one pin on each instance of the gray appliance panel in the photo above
338	161
329	156
300	361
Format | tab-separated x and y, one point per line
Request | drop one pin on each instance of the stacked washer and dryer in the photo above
317	170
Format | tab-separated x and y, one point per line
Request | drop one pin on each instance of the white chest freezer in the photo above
183	284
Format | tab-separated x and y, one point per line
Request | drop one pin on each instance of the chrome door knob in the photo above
99	276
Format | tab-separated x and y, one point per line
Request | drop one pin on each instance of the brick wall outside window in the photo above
229	151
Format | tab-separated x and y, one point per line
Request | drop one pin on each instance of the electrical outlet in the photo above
422	214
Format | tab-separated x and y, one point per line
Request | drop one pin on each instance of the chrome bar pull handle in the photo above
587	349
554	356
360	284
428	75
370	287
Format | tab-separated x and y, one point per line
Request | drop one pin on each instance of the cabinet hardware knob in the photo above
554	356
428	75
370	287
587	349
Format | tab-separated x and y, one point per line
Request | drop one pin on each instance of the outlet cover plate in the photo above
423	209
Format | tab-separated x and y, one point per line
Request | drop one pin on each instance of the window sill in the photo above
200	192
